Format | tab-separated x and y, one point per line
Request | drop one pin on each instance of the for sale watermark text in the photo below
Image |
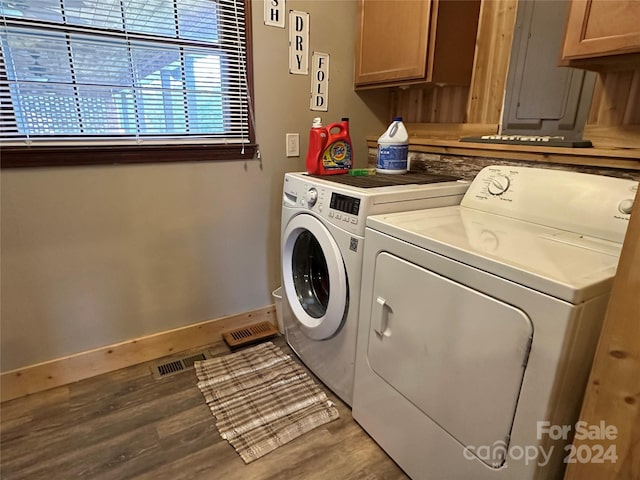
601	447
584	453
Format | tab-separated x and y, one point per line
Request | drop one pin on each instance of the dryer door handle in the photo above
381	326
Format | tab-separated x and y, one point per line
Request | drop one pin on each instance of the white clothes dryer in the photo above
323	222
478	322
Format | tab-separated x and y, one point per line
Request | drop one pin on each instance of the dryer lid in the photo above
562	264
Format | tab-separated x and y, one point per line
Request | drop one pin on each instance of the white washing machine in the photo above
478	323
323	223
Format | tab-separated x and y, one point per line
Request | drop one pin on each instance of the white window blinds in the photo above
123	71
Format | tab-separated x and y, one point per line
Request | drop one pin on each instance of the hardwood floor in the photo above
127	424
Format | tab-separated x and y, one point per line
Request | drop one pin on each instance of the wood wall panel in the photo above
430	104
616	99
493	48
632	114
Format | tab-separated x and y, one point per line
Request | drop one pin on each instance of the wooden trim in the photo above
61	371
450	130
612	63
613	391
22	157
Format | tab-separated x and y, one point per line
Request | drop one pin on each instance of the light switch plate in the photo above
293	145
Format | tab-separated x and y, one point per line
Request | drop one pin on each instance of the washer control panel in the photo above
593	205
340	208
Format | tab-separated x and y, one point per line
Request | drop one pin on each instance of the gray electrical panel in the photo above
541	98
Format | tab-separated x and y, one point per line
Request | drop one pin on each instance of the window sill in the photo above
22	157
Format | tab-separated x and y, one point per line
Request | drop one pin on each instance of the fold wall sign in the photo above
274	13
320	82
298	43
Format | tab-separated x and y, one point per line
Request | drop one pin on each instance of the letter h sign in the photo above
274	13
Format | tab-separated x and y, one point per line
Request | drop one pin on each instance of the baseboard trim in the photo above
61	371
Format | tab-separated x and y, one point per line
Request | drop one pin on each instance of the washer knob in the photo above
311	197
625	206
498	185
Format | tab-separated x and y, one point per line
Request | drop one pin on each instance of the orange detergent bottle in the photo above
317	141
332	153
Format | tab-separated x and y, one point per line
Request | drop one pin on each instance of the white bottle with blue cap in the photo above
393	148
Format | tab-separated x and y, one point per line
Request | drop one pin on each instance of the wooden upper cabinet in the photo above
402	42
600	31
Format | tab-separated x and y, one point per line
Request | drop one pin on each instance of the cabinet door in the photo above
402	42
598	28
392	40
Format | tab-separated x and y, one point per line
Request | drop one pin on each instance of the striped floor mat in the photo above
262	399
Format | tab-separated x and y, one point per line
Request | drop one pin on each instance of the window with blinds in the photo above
123	72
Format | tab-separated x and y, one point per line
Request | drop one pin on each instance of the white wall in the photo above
97	255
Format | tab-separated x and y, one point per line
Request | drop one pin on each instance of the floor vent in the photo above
241	337
166	369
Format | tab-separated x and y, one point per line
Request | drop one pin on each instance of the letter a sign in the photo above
298	43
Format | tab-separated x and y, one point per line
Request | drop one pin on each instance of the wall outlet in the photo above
293	145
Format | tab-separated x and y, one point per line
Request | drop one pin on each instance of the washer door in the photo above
314	277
